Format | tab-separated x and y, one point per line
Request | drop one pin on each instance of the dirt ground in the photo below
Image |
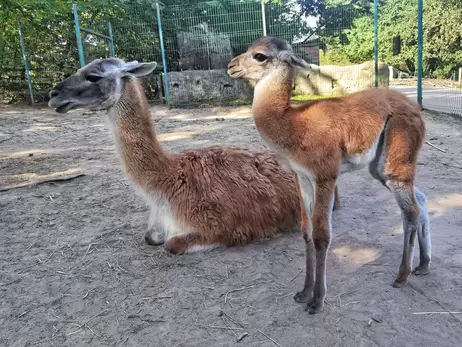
75	270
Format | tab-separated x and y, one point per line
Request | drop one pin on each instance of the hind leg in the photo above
189	243
404	195
336	200
423	235
395	164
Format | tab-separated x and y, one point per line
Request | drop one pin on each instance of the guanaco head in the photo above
263	56
96	86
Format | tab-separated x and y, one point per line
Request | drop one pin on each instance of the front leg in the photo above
322	215
155	235
305	190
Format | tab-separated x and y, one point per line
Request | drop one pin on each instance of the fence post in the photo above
26	63
77	36
419	51
111	41
162	51
460	77
376	42
263	16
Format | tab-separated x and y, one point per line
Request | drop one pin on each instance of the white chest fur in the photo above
162	221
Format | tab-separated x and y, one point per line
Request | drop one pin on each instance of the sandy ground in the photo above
75	270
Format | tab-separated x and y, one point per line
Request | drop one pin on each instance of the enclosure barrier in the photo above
193	45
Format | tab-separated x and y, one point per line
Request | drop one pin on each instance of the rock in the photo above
196	86
378	316
201	49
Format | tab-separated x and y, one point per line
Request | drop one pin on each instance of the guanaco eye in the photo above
260	57
93	78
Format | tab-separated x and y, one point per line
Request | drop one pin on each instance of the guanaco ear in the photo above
140	69
293	59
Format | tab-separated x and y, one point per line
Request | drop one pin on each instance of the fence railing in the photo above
200	40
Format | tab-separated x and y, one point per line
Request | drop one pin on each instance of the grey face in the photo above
262	56
96	86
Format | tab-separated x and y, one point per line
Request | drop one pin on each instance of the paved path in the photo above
437	99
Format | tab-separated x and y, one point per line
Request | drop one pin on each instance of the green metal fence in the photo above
200	37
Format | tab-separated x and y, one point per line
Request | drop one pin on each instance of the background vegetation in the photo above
343	28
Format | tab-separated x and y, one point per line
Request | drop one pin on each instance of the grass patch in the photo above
310	97
246	102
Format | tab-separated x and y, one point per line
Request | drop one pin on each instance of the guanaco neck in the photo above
143	159
271	104
272	93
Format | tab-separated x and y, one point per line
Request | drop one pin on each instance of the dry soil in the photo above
75	270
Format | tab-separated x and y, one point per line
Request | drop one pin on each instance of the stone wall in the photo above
332	79
199	86
200	49
202	86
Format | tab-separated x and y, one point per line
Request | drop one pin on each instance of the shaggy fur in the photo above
379	128
199	199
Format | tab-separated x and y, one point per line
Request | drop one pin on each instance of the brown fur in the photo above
318	137
229	196
200	198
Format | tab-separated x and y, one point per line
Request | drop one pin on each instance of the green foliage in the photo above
344	30
442	51
49	32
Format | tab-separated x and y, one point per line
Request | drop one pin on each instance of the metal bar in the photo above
111	40
263	16
90	31
419	50
162	50
460	77
376	42
77	36
26	63
159	85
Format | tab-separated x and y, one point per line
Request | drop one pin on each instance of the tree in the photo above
442	50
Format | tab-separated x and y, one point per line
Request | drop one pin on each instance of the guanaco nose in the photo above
232	64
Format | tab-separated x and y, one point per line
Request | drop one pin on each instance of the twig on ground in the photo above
293	279
221	312
121	268
237	290
108	246
22	314
434	146
62	273
240	337
85	324
269	338
51	254
88	250
350	302
88	292
157	297
283	296
217	327
51	180
454	166
31	245
438	312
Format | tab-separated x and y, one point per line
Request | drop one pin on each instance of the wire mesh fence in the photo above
201	37
49	43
